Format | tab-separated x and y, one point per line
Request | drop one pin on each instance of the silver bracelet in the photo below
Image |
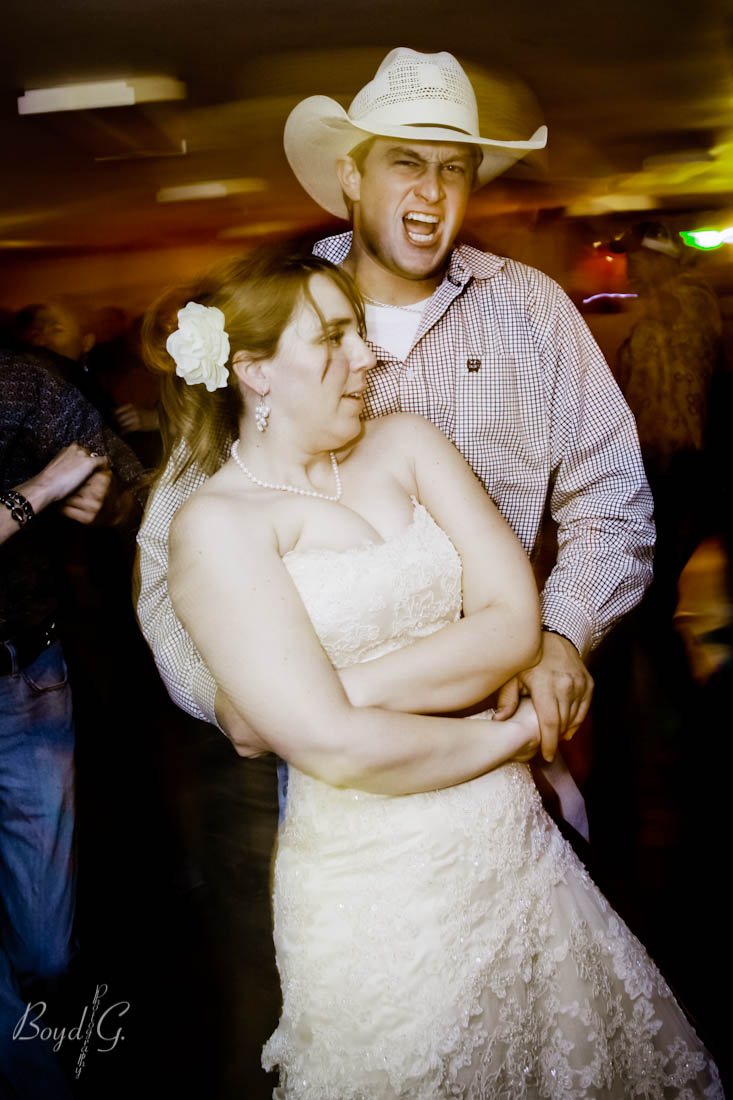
19	507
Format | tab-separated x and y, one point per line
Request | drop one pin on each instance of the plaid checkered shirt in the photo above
505	366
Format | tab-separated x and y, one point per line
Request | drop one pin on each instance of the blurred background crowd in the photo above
142	142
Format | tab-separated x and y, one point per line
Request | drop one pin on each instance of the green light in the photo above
703	238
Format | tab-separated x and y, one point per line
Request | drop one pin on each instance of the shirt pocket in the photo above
501	423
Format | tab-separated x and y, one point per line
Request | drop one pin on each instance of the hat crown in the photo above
418	89
413	97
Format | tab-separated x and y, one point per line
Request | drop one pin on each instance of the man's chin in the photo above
422	263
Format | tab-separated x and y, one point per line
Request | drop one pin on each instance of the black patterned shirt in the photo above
40	413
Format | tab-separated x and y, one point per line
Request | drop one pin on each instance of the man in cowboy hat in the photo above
491	351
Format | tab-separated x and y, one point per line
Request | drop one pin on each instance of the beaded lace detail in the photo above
450	944
361	617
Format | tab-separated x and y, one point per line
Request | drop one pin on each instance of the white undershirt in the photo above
394	327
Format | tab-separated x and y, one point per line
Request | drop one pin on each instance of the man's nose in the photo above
430	184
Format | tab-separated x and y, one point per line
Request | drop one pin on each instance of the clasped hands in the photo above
560	687
80	481
83	485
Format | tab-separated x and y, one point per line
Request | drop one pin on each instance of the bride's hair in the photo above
257	294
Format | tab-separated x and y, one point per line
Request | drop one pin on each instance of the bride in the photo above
349	584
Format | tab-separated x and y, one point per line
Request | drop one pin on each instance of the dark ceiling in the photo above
638	98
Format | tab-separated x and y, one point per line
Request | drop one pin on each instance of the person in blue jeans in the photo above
36	871
54	451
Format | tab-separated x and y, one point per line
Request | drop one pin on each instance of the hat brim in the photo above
318	132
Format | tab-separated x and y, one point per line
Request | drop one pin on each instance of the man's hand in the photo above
561	689
67	473
86	503
69	469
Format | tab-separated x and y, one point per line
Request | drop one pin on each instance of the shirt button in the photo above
409	375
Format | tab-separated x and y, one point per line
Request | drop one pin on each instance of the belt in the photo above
27	645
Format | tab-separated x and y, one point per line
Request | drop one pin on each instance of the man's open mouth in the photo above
421	228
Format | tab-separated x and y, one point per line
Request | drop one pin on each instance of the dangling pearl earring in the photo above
262	414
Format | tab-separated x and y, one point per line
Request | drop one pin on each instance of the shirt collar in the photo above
465	263
468	263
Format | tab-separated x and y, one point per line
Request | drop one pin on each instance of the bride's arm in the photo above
465	661
237	601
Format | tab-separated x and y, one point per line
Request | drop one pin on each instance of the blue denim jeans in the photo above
282	787
37	877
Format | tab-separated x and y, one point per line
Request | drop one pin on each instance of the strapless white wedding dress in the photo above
450	944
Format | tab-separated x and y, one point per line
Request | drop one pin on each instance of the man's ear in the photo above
88	342
349	177
251	373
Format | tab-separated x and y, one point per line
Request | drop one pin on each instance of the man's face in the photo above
409	201
63	333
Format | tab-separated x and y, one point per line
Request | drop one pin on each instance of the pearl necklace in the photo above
291	488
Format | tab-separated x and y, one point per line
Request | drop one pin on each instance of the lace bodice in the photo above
376	597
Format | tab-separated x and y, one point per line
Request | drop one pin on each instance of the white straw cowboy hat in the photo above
416	96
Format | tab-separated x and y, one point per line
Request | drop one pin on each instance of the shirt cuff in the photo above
564	616
203	689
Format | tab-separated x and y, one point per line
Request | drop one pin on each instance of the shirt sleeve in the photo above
600	497
65	416
187	679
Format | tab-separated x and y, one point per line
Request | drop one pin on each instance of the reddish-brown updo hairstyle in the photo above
257	294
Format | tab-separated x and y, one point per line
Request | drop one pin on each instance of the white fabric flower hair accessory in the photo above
200	346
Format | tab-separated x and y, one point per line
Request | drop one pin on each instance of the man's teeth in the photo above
430	221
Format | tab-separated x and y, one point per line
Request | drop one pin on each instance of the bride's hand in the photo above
525	733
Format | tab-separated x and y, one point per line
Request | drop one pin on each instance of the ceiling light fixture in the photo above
210	189
100	93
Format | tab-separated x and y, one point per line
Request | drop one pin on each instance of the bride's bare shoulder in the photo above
218	510
400	434
396	426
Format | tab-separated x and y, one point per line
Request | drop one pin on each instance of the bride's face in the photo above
318	374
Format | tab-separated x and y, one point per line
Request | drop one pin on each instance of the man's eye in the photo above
407	163
457	169
335	338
